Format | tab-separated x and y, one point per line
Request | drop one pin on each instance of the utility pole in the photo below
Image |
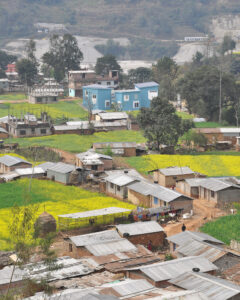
220	95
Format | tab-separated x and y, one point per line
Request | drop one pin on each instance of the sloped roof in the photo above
113	115
95	238
29	171
45	166
91	157
10	161
213	287
3	130
174	171
97	86
146	84
216	185
120	180
139	228
62	168
188	236
170	269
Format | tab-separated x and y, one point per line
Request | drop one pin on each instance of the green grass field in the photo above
13	97
53	197
78	143
68	109
211	165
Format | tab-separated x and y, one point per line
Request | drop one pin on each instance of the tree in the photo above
106	63
140	74
228	44
64	55
161	124
27	71
6	59
30	49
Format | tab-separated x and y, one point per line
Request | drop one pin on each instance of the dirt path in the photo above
204	211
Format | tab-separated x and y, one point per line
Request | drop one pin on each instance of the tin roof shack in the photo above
153	195
30	126
189	187
76	245
159	274
93	217
96	162
3	133
10	163
221	191
68	268
143	232
78	79
122	149
212	287
66	173
169	176
187	237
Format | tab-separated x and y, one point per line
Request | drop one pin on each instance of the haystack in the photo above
45	224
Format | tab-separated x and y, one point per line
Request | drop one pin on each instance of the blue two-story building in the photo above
97	96
102	97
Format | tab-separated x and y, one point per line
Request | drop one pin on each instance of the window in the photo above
165	203
70	248
43	131
22	132
118	188
152	94
94	99
99	82
111	185
212	194
136	104
108	83
94	167
83	75
156	200
39	99
126	97
107	103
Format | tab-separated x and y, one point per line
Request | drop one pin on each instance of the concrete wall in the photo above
113	190
184	188
228	196
138	199
16	132
59	177
42	99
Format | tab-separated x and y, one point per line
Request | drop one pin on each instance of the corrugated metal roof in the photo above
113	115
217	185
3	130
156	190
12	160
62	168
197	248
188	236
181	295
139	228
130	287
110	247
29	171
126	91
91	155
213	287
170	269
115	145
9	176
97	212
230	130
174	171
146	84
45	166
120	180
129	172
92	296
194	182
95	238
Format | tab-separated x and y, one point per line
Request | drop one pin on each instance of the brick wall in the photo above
157	239
3	135
129	152
138	199
108	164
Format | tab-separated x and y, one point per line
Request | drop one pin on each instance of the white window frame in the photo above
107	101
126	97
134	102
150	97
94	98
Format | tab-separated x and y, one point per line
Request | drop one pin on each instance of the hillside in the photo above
155	19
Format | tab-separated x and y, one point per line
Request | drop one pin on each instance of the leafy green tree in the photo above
228	44
30	49
27	71
161	124
6	59
111	47
140	74
106	63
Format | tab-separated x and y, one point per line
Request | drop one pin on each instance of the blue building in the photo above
149	90
99	96
102	97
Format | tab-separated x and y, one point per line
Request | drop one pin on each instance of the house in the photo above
77	244
212	287
118	148
128	100
3	133
148	91
4	85
78	79
169	176
79	127
187	237
10	163
189	187
142	232
43	95
96	162
66	173
97	96
215	135
117	182
145	193
30	126
159	274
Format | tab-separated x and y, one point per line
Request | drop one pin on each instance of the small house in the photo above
143	232
148	91
96	162
160	274
118	148
214	288
10	163
97	96
169	176
128	100
66	173
189	187
153	195
221	191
